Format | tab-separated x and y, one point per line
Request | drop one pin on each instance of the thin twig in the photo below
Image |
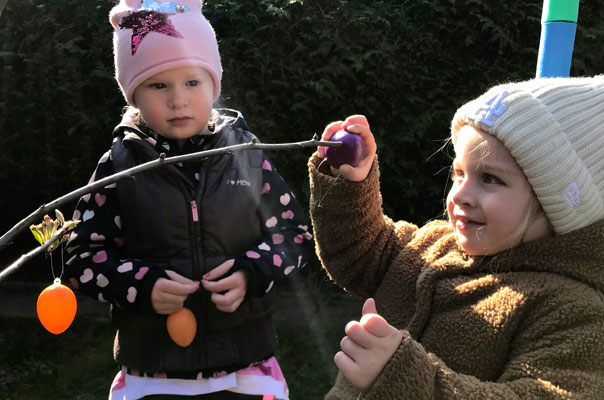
9	236
26	257
2	5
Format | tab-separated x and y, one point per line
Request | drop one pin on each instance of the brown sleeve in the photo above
355	241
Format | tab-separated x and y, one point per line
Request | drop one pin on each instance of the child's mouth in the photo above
463	223
179	121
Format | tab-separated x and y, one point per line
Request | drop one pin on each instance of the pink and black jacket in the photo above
188	218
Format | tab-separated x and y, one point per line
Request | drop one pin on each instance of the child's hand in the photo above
169	295
356	124
367	347
227	293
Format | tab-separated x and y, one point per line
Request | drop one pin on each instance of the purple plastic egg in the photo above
351	152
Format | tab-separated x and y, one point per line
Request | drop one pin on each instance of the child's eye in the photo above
193	83
492	179
157	86
457	174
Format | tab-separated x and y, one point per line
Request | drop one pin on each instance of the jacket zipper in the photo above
197	306
194	211
196	231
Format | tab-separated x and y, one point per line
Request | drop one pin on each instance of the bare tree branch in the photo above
3	4
26	257
9	236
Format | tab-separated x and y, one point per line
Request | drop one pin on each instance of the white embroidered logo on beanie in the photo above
487	112
572	196
163	7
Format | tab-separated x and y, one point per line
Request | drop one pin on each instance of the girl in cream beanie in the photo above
554	129
505	298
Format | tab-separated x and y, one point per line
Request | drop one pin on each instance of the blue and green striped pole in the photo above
558	28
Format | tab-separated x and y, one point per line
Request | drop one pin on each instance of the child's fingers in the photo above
362	130
177	288
330	129
355	119
176	277
166	303
229	301
352	370
227	293
352	348
237	280
369	307
344	363
355	174
169	298
361	170
218	286
357	333
222	299
220	270
376	325
328	132
368	139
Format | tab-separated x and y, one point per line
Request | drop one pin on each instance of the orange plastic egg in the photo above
182	327
56	307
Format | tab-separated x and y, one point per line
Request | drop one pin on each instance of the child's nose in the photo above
464	194
177	99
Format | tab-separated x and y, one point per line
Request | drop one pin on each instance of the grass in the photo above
35	364
78	364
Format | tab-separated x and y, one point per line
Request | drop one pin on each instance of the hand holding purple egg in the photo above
351	152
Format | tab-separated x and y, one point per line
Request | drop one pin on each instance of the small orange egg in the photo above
182	327
56	307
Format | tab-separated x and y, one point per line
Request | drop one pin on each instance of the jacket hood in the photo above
220	116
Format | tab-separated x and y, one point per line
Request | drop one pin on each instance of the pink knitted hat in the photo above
152	36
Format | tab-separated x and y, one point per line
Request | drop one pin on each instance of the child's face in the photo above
491	205
176	103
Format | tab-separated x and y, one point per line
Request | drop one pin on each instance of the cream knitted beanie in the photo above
554	128
152	36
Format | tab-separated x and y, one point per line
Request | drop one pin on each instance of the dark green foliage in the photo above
290	66
407	65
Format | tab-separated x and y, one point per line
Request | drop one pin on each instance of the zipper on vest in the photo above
198	300
194	211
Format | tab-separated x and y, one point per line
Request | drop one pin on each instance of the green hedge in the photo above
291	66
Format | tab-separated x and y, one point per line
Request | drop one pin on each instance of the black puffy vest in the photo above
167	221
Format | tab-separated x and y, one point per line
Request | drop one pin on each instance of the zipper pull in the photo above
194	211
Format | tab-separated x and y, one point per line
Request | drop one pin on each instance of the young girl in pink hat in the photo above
504	299
212	235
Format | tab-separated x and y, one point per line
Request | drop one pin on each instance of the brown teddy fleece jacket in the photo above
527	323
